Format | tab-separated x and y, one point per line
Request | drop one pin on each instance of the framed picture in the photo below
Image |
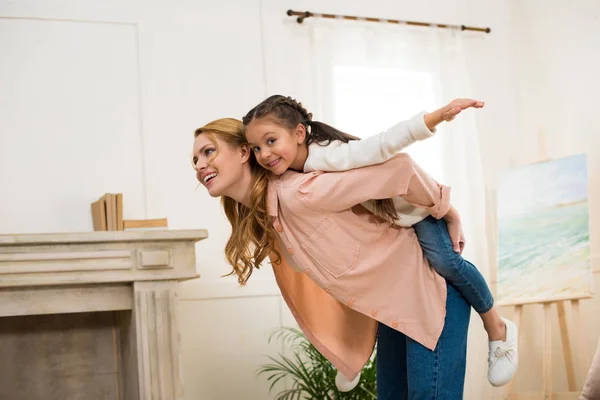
543	238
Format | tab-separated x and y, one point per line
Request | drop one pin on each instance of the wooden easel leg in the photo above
547	361
574	361
566	344
578	330
517	320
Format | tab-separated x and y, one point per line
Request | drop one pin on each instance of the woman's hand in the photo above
450	111
455	230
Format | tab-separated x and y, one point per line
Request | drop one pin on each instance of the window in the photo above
369	100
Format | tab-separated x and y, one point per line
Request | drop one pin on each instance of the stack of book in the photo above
107	215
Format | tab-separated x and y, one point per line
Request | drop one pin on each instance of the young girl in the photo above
283	136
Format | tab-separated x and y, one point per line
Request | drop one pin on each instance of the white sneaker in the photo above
504	356
343	384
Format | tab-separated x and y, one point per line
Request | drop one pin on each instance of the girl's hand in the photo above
454	108
450	111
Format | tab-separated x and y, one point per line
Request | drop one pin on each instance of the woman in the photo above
340	269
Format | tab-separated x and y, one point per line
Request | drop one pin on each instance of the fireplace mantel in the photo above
135	271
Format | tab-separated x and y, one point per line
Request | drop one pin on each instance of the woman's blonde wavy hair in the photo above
252	235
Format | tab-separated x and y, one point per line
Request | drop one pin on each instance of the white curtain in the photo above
368	76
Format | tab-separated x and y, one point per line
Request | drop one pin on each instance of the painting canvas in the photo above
543	238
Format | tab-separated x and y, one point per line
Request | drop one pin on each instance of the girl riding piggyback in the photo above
282	136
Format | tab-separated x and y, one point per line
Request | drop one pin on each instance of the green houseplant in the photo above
311	375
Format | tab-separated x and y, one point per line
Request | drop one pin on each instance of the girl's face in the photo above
275	147
219	166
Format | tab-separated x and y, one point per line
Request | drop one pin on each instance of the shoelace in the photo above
508	352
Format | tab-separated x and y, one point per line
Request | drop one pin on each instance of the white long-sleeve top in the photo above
339	156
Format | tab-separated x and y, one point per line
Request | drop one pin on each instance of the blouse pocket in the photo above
331	248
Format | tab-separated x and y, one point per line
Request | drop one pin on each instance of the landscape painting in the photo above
543	238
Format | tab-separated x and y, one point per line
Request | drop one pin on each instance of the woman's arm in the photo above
455	230
400	176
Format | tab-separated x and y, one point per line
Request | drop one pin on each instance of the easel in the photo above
574	385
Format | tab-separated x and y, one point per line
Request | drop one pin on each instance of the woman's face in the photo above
219	166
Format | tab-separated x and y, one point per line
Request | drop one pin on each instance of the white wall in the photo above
69	121
110	104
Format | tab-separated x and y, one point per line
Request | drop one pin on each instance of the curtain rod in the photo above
307	14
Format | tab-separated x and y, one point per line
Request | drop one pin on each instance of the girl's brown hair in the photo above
252	235
289	113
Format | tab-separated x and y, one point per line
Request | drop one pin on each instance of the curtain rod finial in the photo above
301	18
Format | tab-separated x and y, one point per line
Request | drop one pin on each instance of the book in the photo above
145	223
111	211
107	212
120	211
99	214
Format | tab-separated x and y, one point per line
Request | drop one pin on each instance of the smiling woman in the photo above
221	158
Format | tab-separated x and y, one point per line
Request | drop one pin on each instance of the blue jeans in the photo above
407	370
437	247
